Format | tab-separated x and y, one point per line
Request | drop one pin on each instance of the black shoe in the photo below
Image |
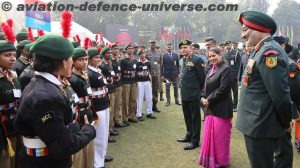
120	125
127	124
112	133
183	140
140	119
177	102
191	146
161	99
115	130
133	120
167	104
111	139
155	109
151	116
108	158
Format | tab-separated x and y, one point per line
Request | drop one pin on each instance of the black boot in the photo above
154	108
162	96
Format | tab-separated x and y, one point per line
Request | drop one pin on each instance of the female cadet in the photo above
80	84
100	104
9	95
44	117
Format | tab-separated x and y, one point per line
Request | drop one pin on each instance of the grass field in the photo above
152	143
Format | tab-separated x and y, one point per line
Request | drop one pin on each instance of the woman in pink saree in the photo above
215	149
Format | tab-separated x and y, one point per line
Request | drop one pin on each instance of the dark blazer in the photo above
217	91
170	66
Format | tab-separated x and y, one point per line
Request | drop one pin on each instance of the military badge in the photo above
292	74
246	80
184	42
249	66
271	62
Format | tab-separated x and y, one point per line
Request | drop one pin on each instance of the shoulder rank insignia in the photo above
271	62
292	74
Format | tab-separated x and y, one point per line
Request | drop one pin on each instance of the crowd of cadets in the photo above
107	85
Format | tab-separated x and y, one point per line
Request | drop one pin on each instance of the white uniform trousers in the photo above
144	93
101	140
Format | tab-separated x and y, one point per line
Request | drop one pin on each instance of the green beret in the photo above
22	36
92	51
53	46
258	21
128	45
102	45
22	44
28	46
185	42
79	52
6	46
114	45
104	50
76	44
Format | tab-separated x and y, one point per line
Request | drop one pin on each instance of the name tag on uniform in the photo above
145	67
17	93
76	99
155	63
134	66
119	68
105	81
89	90
112	73
232	62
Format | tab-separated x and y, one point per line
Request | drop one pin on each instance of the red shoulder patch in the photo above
269	52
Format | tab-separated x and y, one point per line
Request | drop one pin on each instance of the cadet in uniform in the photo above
265	106
28	72
156	60
233	58
24	58
117	102
193	77
9	95
44	117
108	72
100	104
145	92
80	83
128	69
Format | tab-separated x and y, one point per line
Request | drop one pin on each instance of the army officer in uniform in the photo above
265	105
193	77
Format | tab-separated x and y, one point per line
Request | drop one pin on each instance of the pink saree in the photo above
215	148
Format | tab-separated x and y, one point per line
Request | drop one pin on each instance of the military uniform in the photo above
128	70
155	58
9	95
45	118
23	61
265	104
234	59
118	92
192	82
145	92
80	83
100	104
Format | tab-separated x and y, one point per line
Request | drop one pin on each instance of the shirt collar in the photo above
94	69
51	78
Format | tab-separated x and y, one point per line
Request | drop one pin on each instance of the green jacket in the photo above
265	103
193	77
